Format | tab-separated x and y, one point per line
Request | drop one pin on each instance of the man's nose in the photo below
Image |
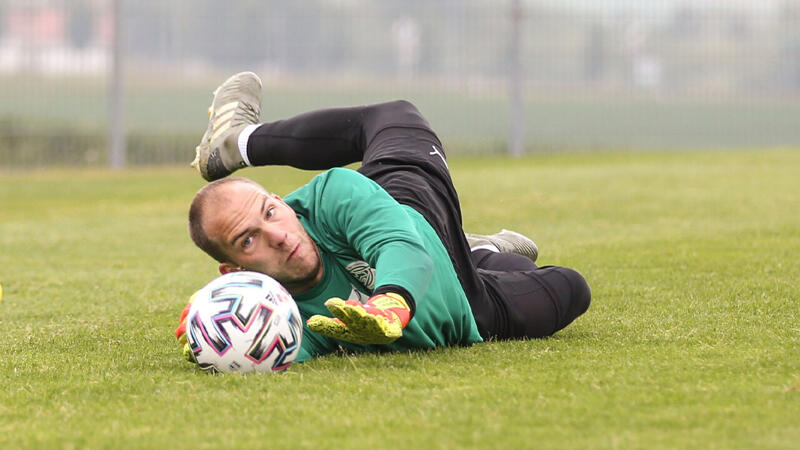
276	236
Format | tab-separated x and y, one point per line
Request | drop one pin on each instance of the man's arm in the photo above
358	215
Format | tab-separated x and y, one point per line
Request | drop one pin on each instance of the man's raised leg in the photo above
236	106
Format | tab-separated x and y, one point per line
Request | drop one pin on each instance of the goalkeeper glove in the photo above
379	321
180	332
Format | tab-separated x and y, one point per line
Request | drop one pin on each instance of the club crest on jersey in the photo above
362	272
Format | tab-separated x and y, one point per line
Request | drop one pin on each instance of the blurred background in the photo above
127	82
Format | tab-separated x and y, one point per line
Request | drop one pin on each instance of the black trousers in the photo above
510	297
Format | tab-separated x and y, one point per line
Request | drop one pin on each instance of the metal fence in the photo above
97	82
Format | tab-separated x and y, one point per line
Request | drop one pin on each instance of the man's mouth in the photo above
293	253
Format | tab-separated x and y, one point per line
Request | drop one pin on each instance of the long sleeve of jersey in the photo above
358	215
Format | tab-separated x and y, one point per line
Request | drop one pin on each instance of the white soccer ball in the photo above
244	322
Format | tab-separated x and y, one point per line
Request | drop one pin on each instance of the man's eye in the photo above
247	241
270	212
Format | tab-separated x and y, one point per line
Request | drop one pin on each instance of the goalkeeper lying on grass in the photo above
375	258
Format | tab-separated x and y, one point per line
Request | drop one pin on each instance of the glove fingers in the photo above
326	326
188	354
180	332
349	314
376	329
354	324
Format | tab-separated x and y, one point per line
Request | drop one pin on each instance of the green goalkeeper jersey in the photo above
367	240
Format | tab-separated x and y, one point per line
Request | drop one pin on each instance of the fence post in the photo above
116	156
517	131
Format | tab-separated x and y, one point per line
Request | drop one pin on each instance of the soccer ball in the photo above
244	322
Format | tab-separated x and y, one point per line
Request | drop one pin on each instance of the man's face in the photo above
259	232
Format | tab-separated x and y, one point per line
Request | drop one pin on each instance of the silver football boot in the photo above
236	104
506	241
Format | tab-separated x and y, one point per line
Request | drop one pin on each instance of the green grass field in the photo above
692	340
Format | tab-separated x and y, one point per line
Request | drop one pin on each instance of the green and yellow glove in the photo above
180	332
379	321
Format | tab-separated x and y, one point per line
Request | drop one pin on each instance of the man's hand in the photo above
180	332
379	321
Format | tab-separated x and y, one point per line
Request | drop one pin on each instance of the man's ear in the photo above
228	268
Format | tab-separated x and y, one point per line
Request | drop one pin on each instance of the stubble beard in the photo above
308	281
